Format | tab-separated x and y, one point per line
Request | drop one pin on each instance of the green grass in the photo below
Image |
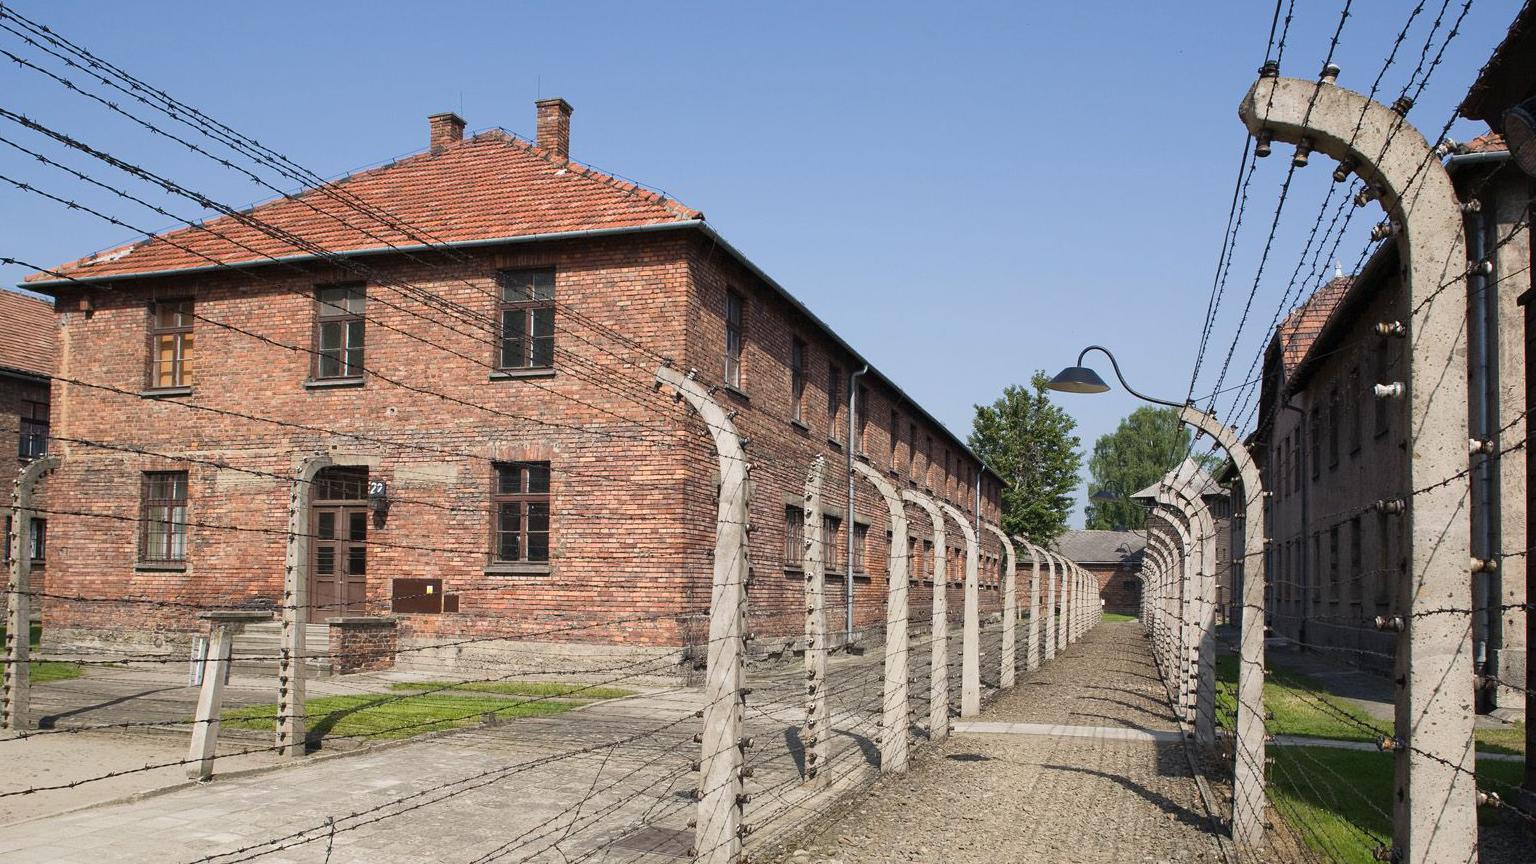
383	716
547	689
1339	801
1335	799
46	671
1118	616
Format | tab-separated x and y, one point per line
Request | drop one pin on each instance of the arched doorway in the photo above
339	543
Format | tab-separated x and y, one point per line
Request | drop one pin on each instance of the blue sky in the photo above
966	192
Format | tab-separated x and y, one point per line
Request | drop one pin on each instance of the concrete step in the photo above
265	640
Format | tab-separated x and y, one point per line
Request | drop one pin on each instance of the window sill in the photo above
515	374
736	391
331	383
164	392
160	566
835	444
842	576
518	568
799	424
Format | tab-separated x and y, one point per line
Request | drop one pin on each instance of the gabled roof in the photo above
1300	328
1509	76
28	334
1100	547
1187	475
489	187
1491	142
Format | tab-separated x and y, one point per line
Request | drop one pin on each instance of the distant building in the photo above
1198	483
1113	557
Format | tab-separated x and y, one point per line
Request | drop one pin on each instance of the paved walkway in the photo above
1080	763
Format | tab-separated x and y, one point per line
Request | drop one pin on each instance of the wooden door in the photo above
338	560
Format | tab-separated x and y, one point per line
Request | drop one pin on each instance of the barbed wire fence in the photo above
593	691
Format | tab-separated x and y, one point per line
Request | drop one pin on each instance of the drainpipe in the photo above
853	410
1480	425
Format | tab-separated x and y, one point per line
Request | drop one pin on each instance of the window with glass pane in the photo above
831	526
34	426
734	337
164	516
860	540
794	537
797	379
170	344
527	319
339	333
39	542
834	400
520	505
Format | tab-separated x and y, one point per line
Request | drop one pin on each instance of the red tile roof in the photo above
1301	328
488	187
28	334
1492	142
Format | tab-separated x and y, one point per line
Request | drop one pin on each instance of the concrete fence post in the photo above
1008	663
1064	614
1050	606
17	696
223	626
1435	806
1189	592
291	719
938	641
816	733
1032	647
1203	650
719	829
970	637
893	723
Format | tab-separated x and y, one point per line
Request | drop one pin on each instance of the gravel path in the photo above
1041	798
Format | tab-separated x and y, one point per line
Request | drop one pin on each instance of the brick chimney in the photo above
554	130
447	128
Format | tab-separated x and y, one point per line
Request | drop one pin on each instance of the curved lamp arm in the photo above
1128	388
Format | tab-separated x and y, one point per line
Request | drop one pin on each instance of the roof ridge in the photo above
581	169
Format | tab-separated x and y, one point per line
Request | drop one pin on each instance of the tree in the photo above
1145	446
1028	441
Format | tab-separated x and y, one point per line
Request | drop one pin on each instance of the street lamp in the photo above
1248	783
1081	379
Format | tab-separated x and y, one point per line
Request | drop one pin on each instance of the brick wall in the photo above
633	488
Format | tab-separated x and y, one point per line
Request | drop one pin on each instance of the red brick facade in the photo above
633	473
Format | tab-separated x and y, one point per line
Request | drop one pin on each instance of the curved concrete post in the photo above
1435	809
970	635
1203	651
1050	605
16	696
1063	614
1032	646
893	723
816	733
1008	664
1188	591
938	665
1174	579
717	835
291	721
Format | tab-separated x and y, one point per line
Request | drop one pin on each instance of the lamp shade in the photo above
1520	135
1077	379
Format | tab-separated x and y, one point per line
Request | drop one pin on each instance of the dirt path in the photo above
1114	786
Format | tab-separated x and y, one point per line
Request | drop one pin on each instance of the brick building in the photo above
1330	446
27	345
471	335
1113	557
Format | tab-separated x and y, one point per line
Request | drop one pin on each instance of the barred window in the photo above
170	344
526	313
797	379
520	502
860	541
164	516
33	441
339	333
794	537
831	527
735	337
834	400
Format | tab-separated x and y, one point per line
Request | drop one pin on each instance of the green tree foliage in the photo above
1029	442
1145	446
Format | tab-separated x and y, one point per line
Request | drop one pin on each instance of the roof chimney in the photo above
447	128
554	130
